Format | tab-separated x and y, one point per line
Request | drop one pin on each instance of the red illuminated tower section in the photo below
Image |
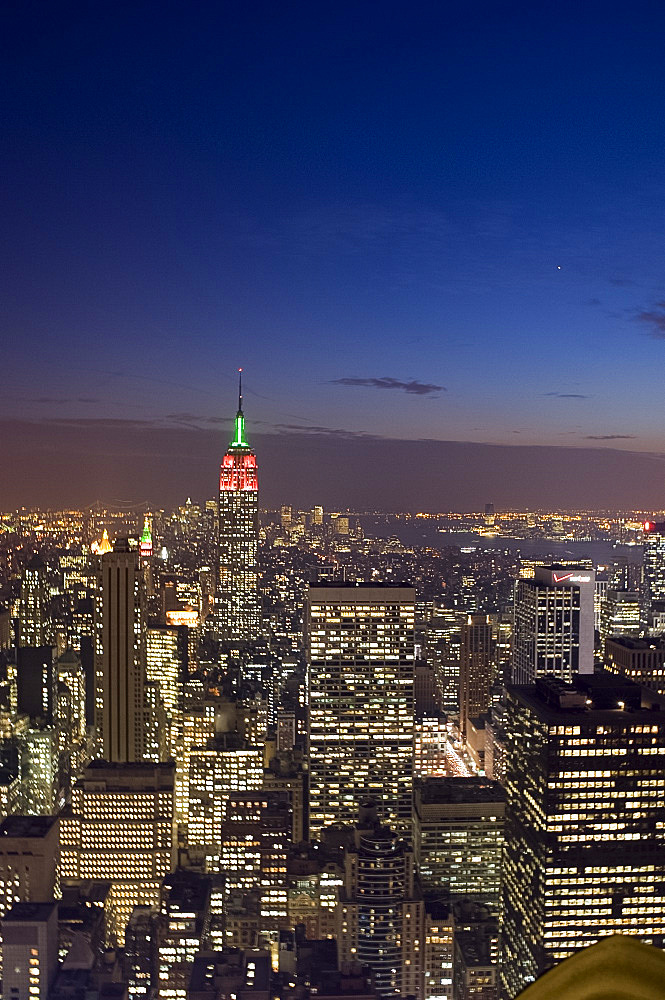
237	604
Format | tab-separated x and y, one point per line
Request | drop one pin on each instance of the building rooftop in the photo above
603	695
131	767
186	890
476	946
29	912
26	826
230	970
443	790
362	585
638	645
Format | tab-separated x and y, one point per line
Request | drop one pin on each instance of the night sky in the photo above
411	224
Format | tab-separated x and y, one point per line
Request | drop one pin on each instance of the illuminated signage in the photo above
183	616
570	578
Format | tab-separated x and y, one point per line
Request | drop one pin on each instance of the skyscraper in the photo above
360	647
458	837
30	950
476	668
381	910
584	846
554	624
120	698
119	827
33	606
237	612
620	614
653	568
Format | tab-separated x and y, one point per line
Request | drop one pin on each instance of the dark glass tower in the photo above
237	613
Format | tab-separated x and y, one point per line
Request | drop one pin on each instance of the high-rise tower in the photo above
554	619
584	852
237	613
360	646
120	684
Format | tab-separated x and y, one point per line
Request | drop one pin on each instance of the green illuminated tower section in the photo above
237	613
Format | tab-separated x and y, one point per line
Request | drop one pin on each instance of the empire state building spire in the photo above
239	438
237	614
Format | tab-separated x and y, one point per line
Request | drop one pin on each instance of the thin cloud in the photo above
610	437
567	395
622	282
413	387
114	422
59	401
314	430
655	318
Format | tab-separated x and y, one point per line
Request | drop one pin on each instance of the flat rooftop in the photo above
363	585
598	697
639	645
30	912
433	791
26	826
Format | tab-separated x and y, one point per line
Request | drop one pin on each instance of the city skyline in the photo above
358	694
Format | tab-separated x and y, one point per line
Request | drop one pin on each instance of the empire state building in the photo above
237	613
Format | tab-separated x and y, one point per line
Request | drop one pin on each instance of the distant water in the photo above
425	533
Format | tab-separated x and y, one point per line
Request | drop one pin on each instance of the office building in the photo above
554	624
227	764
5	628
476	954
620	614
438	941
287	772
640	660
380	916
10	789
70	709
33	627
120	697
119	827
256	840
495	743
29	859
442	642
36	682
29	950
141	964
237	610
458	837
653	566
360	649
231	972
430	746
476	668
166	663
39	772
584	840
198	727
183	930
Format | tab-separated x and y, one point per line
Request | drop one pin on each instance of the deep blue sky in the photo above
464	196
